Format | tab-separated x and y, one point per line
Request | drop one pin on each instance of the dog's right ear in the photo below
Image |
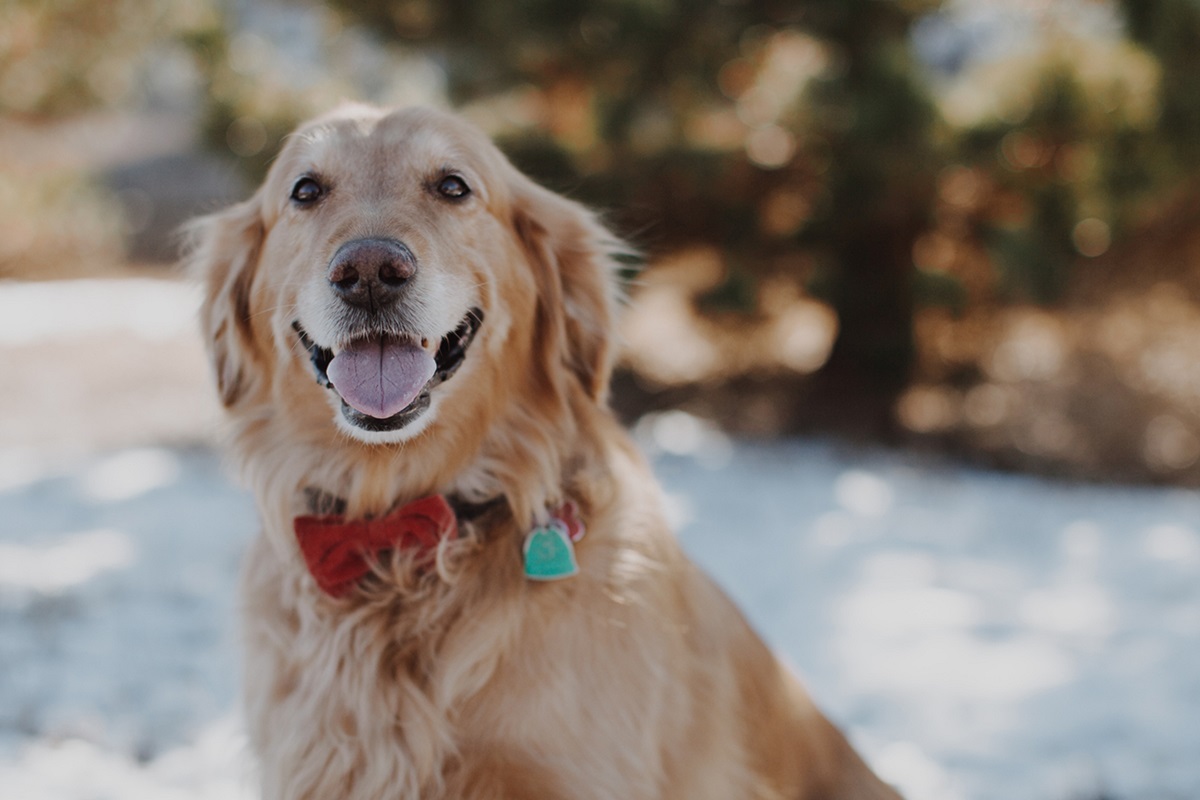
223	252
575	260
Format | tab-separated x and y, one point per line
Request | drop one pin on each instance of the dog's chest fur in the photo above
486	670
327	683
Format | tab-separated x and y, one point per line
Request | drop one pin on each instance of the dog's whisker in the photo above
272	309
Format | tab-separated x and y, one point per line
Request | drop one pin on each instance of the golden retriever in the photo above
398	313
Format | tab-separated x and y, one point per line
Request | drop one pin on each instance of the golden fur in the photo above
634	679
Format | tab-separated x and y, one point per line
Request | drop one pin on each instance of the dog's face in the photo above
394	274
387	245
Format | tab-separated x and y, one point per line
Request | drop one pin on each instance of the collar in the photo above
339	552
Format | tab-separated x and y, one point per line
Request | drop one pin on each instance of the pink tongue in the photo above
380	377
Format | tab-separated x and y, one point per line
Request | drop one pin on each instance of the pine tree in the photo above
628	79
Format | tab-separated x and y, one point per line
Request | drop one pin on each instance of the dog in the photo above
465	585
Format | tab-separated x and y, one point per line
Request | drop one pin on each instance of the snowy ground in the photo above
978	635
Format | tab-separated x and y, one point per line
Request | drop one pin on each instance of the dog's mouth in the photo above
384	380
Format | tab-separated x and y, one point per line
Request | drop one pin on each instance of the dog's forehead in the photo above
427	130
418	137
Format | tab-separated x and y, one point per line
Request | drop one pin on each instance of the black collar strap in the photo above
322	503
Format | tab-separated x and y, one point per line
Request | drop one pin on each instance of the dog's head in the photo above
395	279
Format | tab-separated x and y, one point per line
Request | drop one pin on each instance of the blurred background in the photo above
964	225
929	271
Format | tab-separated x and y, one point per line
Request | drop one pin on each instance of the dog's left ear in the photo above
223	255
576	261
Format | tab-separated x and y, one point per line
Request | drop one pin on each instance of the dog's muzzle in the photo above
384	381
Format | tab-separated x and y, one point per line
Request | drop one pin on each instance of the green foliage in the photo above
1079	145
64	56
247	110
1170	29
933	289
693	117
792	134
1098	135
876	127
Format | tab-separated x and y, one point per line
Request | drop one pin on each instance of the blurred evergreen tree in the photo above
621	82
660	109
876	126
1032	160
1093	151
1170	29
59	57
1081	154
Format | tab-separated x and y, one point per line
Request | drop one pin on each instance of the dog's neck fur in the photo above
410	626
533	460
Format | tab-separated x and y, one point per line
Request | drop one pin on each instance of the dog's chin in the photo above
414	418
401	427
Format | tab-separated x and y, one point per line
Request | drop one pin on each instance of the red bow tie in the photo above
337	550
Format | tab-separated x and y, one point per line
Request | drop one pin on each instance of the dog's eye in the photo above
453	187
307	191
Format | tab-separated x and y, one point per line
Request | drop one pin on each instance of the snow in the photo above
118	664
66	310
978	635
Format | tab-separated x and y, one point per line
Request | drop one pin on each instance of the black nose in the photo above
369	273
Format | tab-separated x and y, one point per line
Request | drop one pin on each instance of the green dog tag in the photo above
549	554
